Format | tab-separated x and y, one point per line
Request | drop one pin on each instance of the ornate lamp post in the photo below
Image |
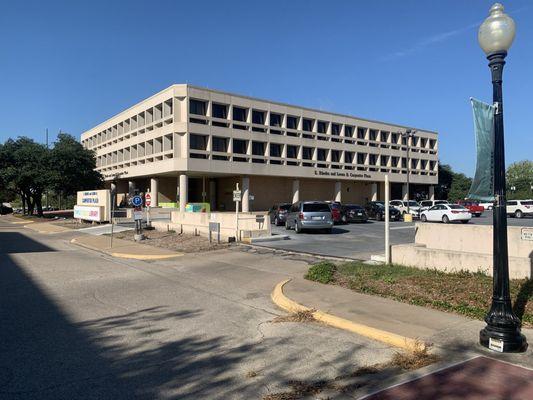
502	333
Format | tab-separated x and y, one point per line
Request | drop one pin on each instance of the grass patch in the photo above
464	293
300	316
322	272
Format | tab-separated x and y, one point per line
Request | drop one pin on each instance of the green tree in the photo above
72	167
445	181
519	177
459	187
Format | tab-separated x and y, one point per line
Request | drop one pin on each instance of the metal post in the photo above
387	220
237	217
502	332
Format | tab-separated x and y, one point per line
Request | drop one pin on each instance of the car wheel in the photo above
465	221
287	226
297	228
518	214
423	218
445	219
378	217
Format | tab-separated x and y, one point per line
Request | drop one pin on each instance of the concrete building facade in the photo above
191	144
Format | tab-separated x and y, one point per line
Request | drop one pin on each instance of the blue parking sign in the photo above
137	201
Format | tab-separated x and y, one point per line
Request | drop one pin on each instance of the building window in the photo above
292	151
258	148
239	146
404	162
307	153
275	150
373	134
198	142
321	154
335	156
348	157
372	159
292	122
220	144
307	125
335	129
348	131
239	114
258	117
322	127
432	143
219	111
197	107
275	120
361	133
394	138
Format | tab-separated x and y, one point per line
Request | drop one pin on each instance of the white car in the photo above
446	213
519	208
487	205
401	206
427	204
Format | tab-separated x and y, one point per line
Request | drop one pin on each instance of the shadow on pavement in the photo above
14	242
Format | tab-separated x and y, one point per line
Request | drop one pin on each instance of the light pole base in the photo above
502	340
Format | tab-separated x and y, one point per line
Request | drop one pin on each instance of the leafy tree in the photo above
519	180
72	167
445	181
459	187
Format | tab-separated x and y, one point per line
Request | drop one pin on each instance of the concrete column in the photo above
131	188
184	188
245	190
338	191
431	192
154	191
213	194
405	194
295	190
374	192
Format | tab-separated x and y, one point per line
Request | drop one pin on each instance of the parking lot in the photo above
362	240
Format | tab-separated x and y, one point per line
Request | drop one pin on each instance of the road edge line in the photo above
393	339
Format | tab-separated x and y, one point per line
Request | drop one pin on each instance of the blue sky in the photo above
71	64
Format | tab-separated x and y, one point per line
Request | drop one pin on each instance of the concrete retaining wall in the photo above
453	248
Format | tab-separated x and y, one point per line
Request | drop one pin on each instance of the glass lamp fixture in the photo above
497	32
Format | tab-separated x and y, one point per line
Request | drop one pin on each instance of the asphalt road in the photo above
362	240
77	324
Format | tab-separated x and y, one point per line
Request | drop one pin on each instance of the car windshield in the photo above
441	202
316	207
456	207
284	206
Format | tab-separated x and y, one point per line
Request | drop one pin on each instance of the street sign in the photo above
137	200
236	195
148	199
137	214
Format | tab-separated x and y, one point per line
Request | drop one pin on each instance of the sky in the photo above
69	65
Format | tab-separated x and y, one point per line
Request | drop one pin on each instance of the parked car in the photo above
427	204
315	215
473	206
487	205
446	213
354	213
376	210
336	212
519	208
401	205
278	213
5	209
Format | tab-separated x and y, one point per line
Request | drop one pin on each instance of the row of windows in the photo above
152	147
259	152
275	123
149	119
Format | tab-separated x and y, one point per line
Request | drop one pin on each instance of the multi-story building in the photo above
191	144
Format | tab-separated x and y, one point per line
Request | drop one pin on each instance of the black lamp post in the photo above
502	333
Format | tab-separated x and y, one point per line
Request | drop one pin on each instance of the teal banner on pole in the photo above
483	183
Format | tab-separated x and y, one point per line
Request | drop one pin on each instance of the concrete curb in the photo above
282	301
142	257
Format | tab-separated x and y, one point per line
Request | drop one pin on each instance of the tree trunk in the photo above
38	201
23	199
31	204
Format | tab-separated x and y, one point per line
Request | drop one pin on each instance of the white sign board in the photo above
236	195
527	234
89	213
137	215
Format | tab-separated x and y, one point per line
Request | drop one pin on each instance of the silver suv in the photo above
309	215
519	208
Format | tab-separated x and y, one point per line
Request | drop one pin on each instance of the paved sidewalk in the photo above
45	227
451	334
124	248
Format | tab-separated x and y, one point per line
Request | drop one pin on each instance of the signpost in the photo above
237	199
148	203
387	220
137	202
